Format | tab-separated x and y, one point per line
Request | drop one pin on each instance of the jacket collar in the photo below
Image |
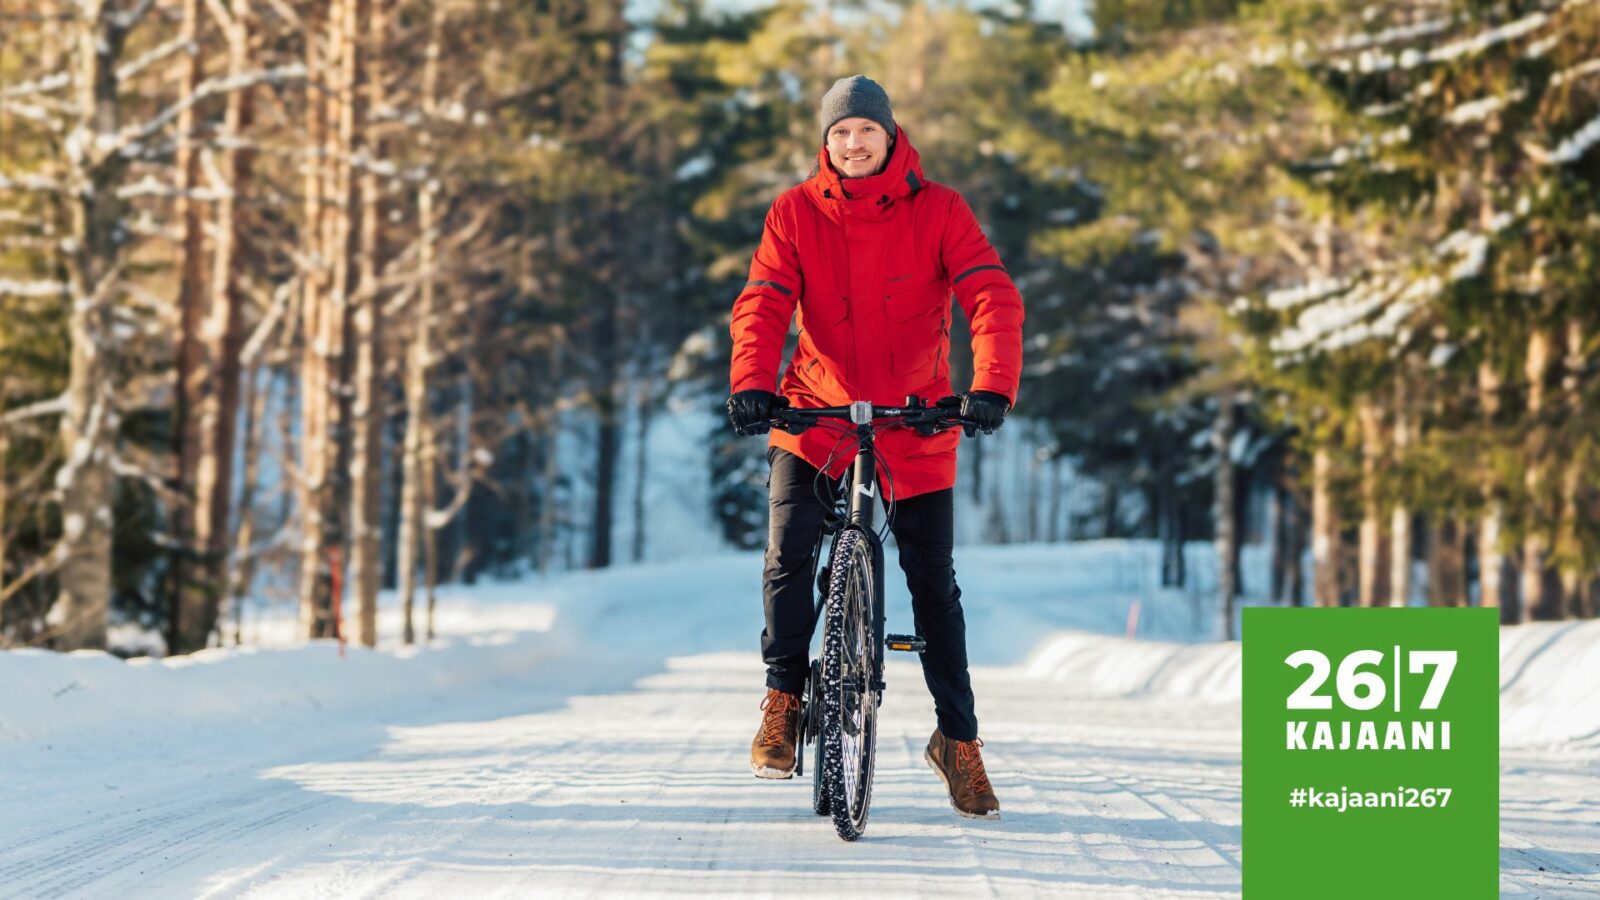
873	196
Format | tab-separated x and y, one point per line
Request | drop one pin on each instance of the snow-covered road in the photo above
609	757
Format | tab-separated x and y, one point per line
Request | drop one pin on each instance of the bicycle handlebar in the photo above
925	418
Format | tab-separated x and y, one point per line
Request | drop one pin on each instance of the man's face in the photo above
858	147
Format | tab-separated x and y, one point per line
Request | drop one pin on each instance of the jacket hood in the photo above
874	195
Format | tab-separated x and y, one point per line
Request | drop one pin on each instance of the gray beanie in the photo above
856	95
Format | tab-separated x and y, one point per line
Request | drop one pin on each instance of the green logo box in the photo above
1371	752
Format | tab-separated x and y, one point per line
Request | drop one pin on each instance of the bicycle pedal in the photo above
910	643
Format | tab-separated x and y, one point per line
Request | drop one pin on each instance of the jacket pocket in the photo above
906	303
917	315
823	309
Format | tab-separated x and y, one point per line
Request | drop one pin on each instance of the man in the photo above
869	251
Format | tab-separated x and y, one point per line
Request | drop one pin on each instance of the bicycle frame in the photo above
862	486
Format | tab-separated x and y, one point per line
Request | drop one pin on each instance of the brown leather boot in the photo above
772	751
960	766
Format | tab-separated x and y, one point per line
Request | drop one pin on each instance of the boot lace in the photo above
969	762
777	705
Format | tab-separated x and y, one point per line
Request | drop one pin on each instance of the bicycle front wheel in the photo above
849	700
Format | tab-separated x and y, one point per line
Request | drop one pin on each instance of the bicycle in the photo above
839	706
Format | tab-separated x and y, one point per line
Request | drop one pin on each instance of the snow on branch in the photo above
1481	108
154	55
1364	149
1345	312
1483	40
34	113
29	182
1570	150
1327	319
53	406
1368	61
33	288
52	82
148	186
1581	70
147	471
1315	289
1471	246
258	338
1396	34
209	88
438	518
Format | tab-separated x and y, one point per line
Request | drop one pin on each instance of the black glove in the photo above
985	409
750	411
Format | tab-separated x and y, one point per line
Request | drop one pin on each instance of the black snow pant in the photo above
924	528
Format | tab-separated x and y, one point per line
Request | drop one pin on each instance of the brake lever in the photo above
788	425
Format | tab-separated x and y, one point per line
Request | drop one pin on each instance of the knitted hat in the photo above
856	95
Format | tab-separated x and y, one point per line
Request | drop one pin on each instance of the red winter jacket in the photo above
871	264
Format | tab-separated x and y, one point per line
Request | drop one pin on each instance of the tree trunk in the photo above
227	304
1446	564
5	499
325	428
217	401
1325	531
242	572
550	446
94	265
1166	516
394	475
314	311
607	352
411	493
1054	534
1372	585
417	464
1540	592
1491	557
1110	500
1276	535
1400	516
1223	514
1295	576
609	433
641	471
1575	470
430	534
367	414
193	594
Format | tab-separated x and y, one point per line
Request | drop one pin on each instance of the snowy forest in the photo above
308	299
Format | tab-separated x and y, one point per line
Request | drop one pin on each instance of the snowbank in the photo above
1091	665
63	695
1549	676
1550	683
